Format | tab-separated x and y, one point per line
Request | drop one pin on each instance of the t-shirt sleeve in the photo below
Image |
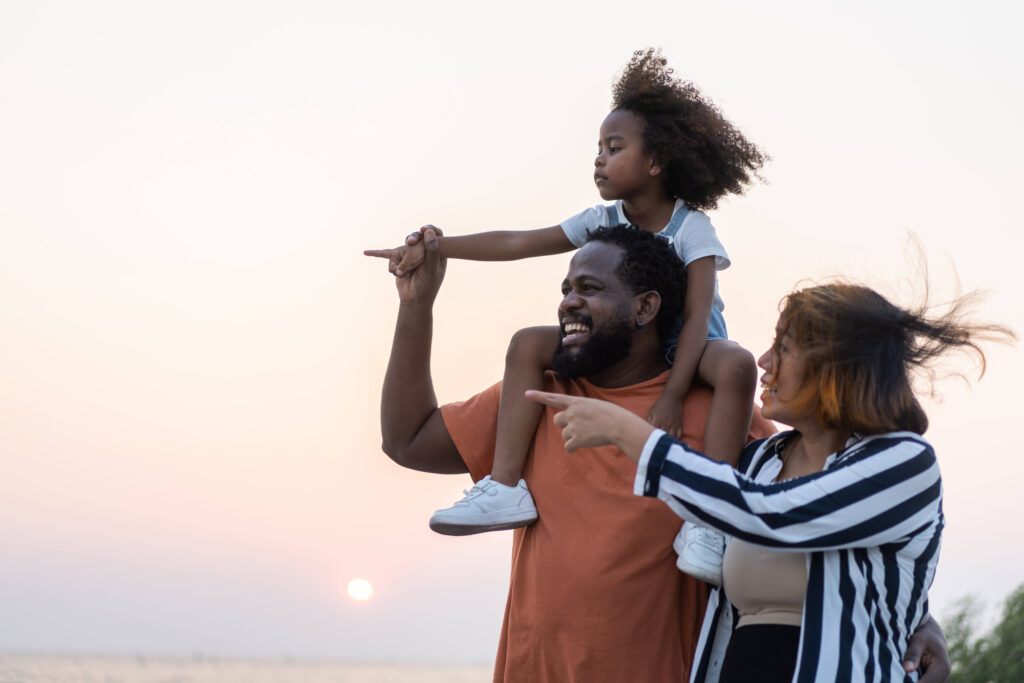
473	426
577	227
697	239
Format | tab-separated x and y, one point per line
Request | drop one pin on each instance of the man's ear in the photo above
647	306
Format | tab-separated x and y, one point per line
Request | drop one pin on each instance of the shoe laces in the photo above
478	489
710	538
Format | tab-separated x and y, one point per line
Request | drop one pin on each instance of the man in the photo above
595	594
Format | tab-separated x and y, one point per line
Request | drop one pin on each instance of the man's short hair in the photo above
649	263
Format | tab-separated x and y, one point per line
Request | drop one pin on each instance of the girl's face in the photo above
622	168
783	381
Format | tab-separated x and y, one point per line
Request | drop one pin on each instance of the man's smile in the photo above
574	332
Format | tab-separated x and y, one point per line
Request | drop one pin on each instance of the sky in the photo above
193	344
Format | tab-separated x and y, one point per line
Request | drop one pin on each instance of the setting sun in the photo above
360	590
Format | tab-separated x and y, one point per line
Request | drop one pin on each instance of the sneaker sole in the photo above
713	578
453	529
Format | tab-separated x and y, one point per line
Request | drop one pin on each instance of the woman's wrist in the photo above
631	435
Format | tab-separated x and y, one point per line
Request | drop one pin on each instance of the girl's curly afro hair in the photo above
703	156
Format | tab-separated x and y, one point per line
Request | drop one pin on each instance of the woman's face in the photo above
782	381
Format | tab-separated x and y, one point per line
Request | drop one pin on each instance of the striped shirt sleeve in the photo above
885	490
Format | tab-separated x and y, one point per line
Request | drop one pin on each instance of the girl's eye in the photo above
613	150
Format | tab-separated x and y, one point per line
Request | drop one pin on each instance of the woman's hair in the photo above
649	263
701	154
861	351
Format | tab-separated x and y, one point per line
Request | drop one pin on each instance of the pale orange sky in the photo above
193	343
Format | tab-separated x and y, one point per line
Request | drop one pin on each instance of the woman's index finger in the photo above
550	399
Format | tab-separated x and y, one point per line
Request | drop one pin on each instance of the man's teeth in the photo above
574	328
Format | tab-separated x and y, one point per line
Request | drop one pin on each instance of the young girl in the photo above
665	152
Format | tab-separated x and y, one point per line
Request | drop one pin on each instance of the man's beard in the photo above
605	348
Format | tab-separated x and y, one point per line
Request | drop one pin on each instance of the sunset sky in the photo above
193	344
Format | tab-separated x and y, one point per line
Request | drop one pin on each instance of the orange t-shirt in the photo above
594	593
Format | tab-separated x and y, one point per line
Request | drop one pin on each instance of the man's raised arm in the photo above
414	435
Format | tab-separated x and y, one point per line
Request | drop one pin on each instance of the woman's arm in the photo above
886	491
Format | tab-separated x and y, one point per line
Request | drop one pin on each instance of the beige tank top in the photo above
766	586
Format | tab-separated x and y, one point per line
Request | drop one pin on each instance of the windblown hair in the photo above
861	352
703	156
649	263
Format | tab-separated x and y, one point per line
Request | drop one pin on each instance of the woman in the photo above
835	524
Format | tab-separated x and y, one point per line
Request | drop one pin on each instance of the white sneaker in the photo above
488	506
700	552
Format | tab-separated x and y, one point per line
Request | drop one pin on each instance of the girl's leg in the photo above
730	370
529	355
502	500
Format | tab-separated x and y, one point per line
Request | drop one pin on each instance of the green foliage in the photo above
997	657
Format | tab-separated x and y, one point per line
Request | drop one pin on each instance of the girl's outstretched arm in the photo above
496	245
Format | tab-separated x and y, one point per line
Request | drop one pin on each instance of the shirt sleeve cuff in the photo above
648	468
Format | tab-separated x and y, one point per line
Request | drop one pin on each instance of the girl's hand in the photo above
406	258
588	422
667	414
413	256
394	257
421	285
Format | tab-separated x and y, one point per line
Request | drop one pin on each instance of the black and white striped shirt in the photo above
870	523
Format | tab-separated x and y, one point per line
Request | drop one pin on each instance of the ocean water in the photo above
24	668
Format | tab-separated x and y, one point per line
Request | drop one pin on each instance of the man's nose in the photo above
570	301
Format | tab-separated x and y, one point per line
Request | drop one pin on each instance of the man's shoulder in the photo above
582	387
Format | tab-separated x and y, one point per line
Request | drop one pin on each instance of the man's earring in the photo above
639	323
